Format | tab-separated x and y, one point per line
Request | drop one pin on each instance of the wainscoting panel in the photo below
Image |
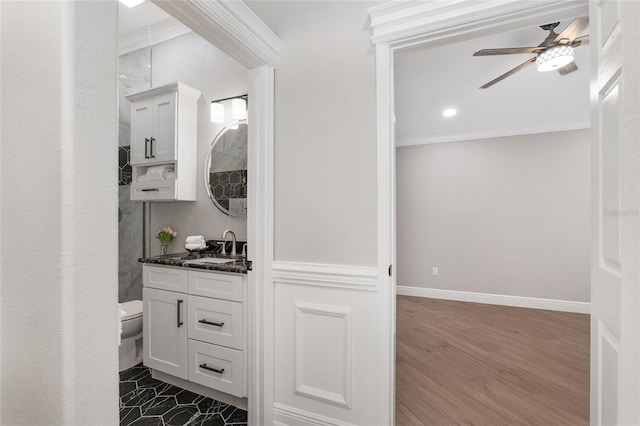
324	344
323	337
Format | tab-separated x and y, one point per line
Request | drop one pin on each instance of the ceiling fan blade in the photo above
573	30
569	68
510	72
580	41
509	51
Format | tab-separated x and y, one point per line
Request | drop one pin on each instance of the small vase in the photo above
164	249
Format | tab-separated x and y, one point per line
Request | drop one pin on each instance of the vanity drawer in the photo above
224	321
153	190
220	286
229	362
172	279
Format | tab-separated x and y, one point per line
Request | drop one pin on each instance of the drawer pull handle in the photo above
150	189
179	323
217	324
215	370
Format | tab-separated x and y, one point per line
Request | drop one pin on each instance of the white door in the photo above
163	143
141	129
165	331
615	395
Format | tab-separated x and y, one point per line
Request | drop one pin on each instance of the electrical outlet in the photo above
434	271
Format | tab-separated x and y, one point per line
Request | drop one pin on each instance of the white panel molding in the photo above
290	416
341	399
326	275
490	135
449	21
231	26
159	32
496	299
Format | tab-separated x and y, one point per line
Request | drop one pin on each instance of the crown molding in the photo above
159	32
231	26
411	22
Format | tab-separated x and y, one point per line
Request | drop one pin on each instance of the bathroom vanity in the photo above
195	325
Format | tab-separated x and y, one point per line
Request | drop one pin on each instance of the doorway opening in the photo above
492	207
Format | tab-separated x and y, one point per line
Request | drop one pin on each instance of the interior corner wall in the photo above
197	63
59	328
506	216
325	133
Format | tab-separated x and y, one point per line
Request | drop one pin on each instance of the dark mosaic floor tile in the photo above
208	420
159	406
187	397
181	415
171	390
139	397
148	421
147	401
149	382
234	415
128	415
208	405
134	373
126	387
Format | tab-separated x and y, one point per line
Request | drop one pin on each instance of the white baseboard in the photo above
290	416
496	299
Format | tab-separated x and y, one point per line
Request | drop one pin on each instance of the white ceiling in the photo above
133	18
428	80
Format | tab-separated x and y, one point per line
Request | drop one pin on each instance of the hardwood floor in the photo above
475	364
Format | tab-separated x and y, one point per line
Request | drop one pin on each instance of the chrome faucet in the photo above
233	241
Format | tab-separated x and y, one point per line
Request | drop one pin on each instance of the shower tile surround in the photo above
134	75
147	401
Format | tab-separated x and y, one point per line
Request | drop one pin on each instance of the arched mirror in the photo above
225	170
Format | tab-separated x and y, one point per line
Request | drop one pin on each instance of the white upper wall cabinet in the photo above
164	124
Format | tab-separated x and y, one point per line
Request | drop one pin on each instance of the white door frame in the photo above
235	29
400	25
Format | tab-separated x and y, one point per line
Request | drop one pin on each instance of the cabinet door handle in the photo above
152	141
215	370
146	147
179	323
217	324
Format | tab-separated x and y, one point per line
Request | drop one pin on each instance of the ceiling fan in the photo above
554	53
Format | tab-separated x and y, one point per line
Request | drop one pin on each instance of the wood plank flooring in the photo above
475	364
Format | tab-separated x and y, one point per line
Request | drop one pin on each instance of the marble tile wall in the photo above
134	75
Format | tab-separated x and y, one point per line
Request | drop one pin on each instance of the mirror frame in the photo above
207	165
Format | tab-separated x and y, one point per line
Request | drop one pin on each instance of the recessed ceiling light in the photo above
132	3
449	112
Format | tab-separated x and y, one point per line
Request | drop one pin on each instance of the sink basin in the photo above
210	260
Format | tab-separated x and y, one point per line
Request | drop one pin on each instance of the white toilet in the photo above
131	336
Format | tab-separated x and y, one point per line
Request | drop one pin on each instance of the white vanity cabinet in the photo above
164	122
194	326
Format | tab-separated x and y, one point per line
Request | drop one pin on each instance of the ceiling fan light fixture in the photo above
554	57
449	112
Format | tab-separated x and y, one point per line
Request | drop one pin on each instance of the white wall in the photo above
58	260
325	133
506	216
197	63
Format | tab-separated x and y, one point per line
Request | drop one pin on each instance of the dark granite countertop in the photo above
238	266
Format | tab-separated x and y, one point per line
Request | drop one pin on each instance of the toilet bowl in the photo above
131	348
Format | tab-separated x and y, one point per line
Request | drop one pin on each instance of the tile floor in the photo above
147	401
